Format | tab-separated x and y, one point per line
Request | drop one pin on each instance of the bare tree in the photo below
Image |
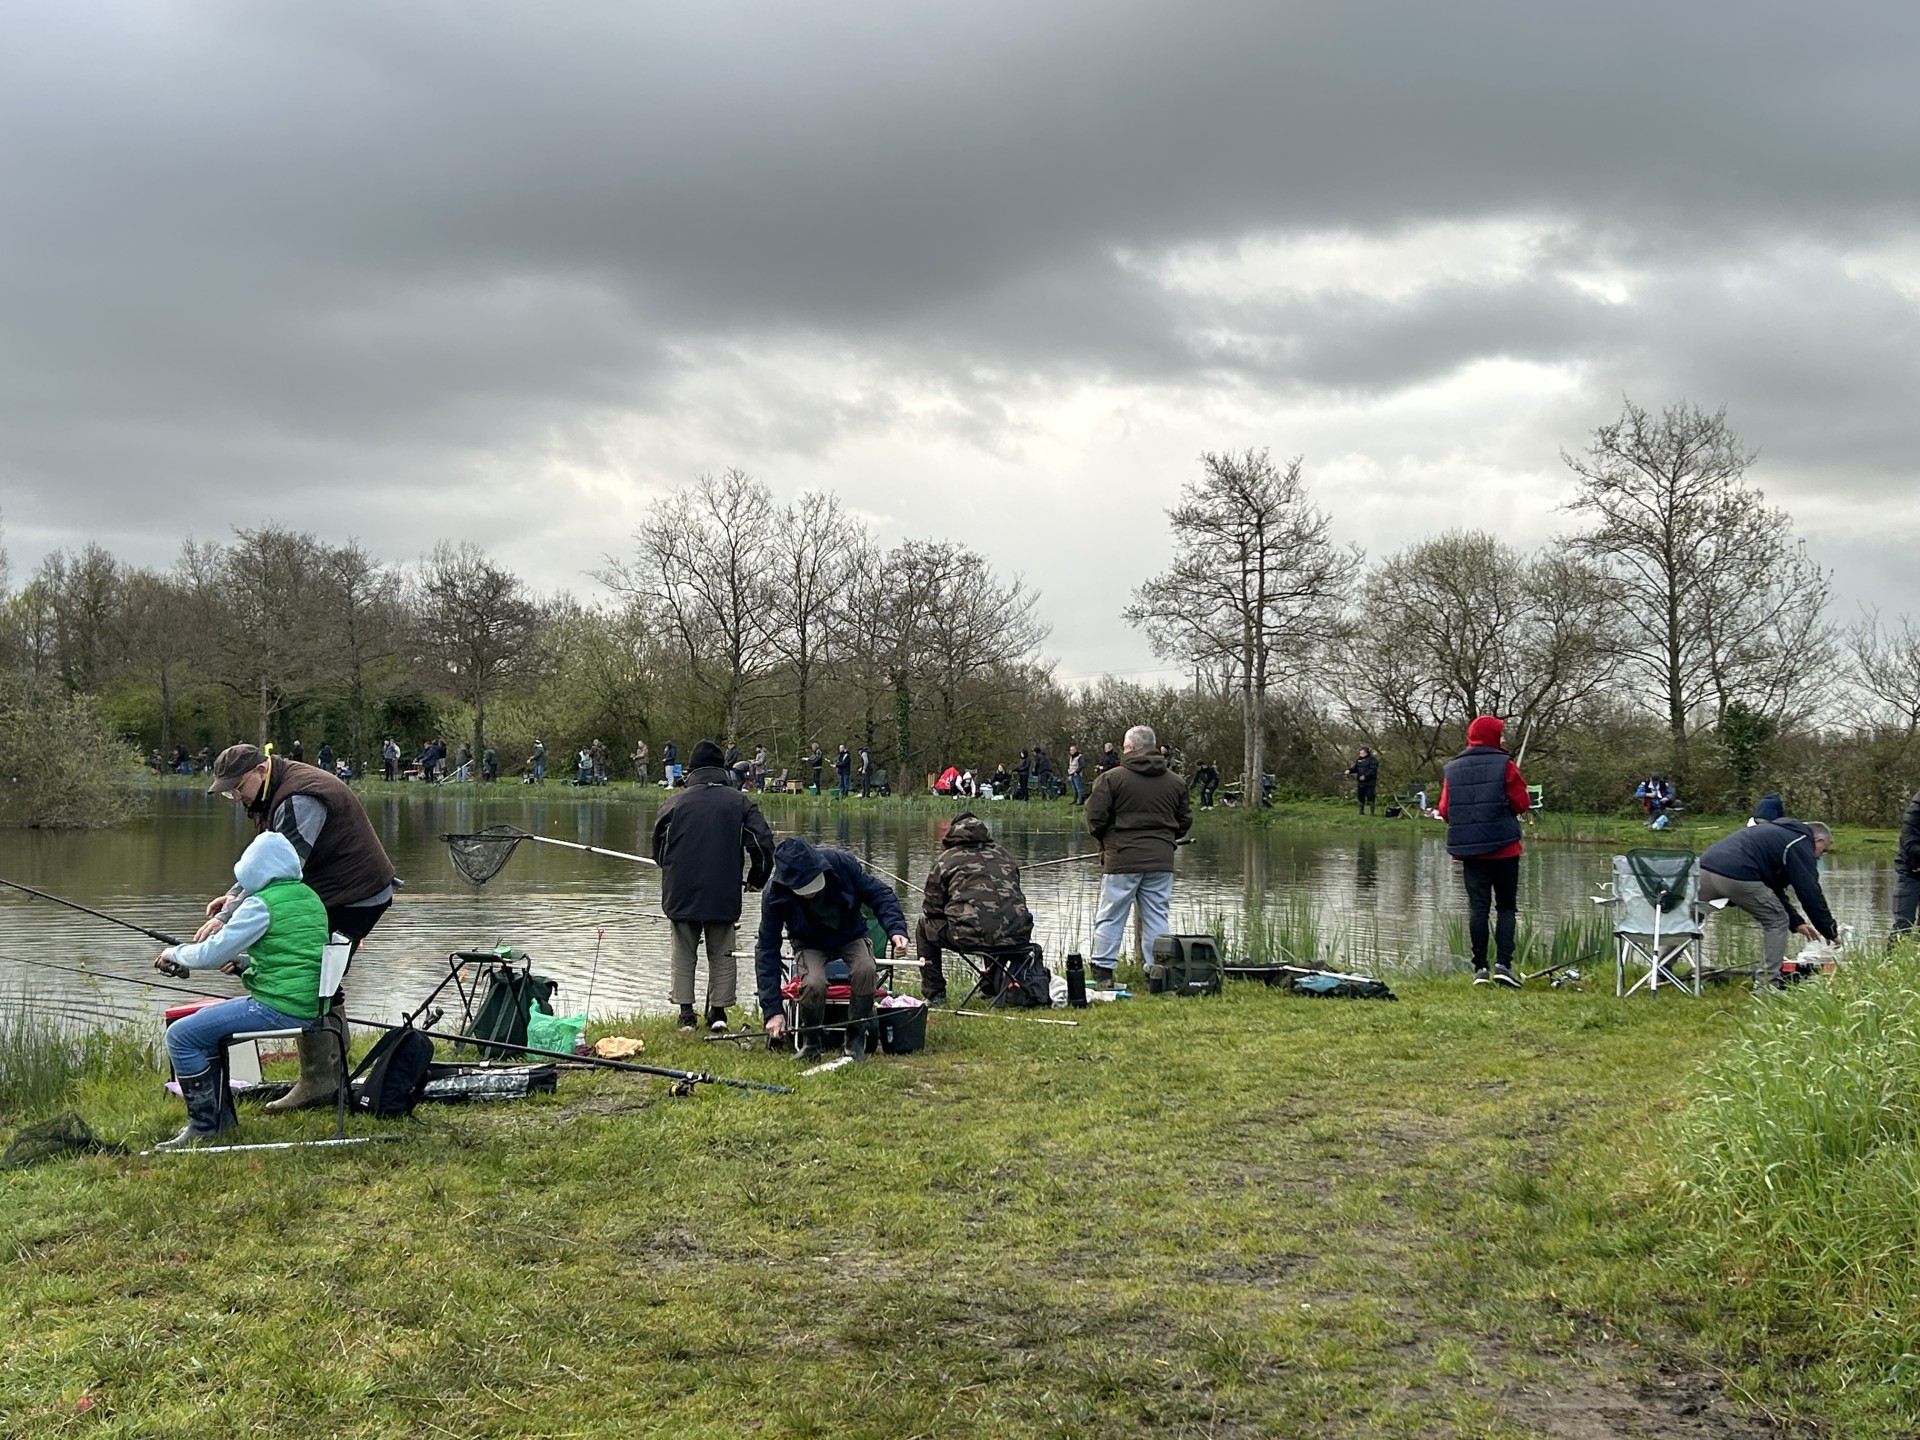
358	617
972	629
1884	663
254	595
83	596
812	544
160	636
481	629
705	563
862	635
1256	582
1720	604
1462	625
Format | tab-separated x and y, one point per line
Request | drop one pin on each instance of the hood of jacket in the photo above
966	829
795	862
1488	730
269	858
1146	762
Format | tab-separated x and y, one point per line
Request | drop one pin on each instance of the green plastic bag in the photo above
553	1032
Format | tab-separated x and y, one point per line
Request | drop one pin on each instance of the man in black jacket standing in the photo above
1752	869
1906	871
700	839
1366	778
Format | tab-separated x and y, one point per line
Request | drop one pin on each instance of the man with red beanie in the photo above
1482	799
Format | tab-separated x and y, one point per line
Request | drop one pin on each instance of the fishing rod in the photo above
696	1077
161	936
1063	860
599	1061
889	875
124	979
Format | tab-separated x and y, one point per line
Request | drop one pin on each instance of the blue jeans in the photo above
1153	892
193	1041
1078	794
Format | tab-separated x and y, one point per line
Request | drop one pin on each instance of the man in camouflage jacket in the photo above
974	902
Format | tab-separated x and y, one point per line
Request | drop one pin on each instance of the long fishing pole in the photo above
889	875
698	1077
161	936
598	1061
111	975
661	1070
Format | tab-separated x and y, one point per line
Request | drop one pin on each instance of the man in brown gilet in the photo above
342	861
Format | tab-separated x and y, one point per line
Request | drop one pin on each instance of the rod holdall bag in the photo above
396	1073
1184	965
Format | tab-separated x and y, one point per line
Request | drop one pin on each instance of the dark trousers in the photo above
1206	795
1367	789
1491	884
927	939
1906	903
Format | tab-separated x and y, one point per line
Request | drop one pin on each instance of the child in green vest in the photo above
274	940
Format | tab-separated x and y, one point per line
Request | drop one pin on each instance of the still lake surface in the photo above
1388	892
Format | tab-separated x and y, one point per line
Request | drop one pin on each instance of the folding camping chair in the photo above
1658	924
996	974
833	1026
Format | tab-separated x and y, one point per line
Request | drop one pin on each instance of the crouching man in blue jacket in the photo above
815	898
1753	869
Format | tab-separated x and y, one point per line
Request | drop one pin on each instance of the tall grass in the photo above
1798	1166
42	1058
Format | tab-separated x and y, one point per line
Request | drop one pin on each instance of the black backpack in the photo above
395	1074
1024	980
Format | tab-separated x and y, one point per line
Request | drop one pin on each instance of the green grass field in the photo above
1468	1213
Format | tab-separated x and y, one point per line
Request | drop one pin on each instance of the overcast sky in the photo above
996	271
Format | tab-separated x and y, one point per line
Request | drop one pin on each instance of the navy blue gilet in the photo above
1480	820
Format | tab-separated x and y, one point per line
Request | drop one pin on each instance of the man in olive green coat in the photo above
1137	811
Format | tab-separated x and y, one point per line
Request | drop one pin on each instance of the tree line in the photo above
1677	626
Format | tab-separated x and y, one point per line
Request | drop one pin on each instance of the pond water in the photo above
1387	893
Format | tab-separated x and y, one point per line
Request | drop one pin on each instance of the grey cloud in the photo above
360	251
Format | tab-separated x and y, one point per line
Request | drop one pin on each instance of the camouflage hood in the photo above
967	829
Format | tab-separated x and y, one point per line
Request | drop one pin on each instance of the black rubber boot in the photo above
812	1022
859	1021
209	1109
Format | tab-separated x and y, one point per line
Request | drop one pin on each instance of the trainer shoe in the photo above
687	1025
936	997
1480	976
717	1019
1504	974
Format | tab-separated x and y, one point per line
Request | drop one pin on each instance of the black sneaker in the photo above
937	997
687	1023
1480	976
1504	974
717	1019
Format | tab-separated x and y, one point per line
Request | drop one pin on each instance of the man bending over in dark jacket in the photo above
974	902
815	900
703	835
1752	870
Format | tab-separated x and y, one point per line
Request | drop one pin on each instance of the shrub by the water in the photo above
60	764
1798	1168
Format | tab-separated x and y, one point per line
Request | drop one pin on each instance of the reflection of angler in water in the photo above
1366	866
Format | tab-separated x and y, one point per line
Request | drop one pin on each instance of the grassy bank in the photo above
1258	1215
1691	832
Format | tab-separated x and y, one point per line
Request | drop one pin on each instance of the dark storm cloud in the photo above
364	245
